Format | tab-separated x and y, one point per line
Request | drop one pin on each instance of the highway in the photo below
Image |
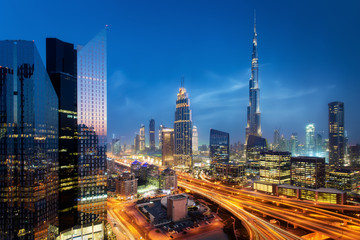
325	222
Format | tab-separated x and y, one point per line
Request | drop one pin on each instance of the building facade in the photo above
152	134
336	134
92	128
308	172
167	147
61	65
253	126
126	185
168	180
219	146
275	167
177	207
342	179
29	167
183	131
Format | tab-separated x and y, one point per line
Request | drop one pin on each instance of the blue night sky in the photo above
308	52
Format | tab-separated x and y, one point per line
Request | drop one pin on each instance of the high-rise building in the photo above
137	143
275	167
354	155
152	134
61	65
142	137
310	139
168	180
28	144
195	140
160	135
183	131
92	130
336	134
253	110
126	185
276	142
294	143
167	146
219	146
308	172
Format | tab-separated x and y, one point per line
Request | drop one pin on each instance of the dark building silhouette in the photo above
61	65
167	146
308	172
219	146
28	144
152	134
336	134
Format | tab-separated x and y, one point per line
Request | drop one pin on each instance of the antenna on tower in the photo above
182	82
254	20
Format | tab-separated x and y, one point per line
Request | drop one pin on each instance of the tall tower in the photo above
183	130
61	66
28	144
142	137
92	120
253	110
310	139
336	134
152	134
195	140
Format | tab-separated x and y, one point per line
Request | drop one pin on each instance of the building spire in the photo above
254	21
182	82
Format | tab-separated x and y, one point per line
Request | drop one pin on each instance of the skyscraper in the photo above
160	136
142	137
183	130
152	134
195	140
310	139
336	134
276	142
92	130
167	145
61	58
219	146
28	144
294	144
253	110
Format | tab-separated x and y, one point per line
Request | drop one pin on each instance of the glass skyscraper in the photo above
219	146
61	65
308	172
92	129
183	131
28	144
152	134
336	134
253	110
310	139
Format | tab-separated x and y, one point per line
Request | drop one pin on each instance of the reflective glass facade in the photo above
167	147
28	144
92	121
152	134
219	146
61	65
183	131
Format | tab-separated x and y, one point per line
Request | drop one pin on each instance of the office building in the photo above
61	65
167	146
336	134
219	146
142	138
29	167
177	207
195	140
137	143
160	136
354	155
229	171
276	142
294	144
255	146
92	129
152	134
253	110
168	180
310	140
308	172
183	131
342	179
126	185
275	167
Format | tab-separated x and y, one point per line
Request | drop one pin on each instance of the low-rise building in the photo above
177	207
229	171
342	179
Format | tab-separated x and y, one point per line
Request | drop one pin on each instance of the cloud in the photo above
117	79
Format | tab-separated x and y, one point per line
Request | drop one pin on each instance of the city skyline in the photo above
305	62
